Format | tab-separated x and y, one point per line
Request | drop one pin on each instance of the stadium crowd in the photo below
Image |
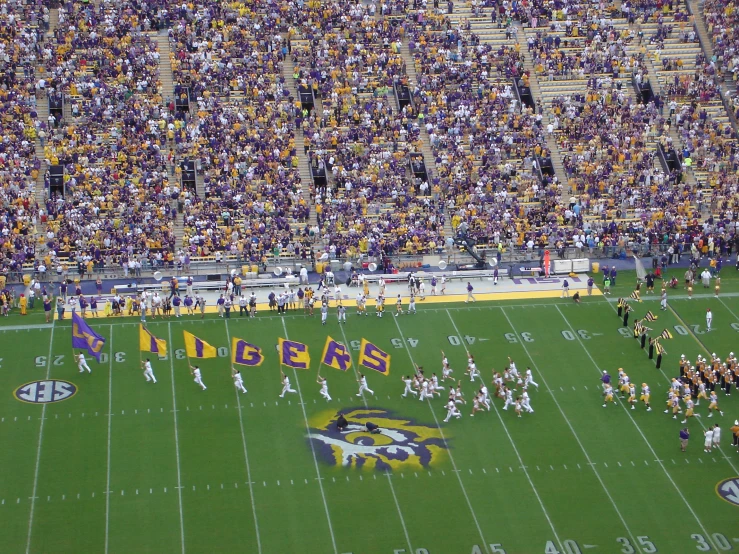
121	142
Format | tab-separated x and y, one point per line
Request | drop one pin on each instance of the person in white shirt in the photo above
716	436
709	440
82	363
363	385
324	387
709	319
285	385
508	398
408	389
238	379
443	284
530	379
525	401
197	376
451	410
324	312
484	397
412	304
148	371
341	313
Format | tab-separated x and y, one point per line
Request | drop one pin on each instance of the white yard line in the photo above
727	307
572	429
387	473
110	420
636	425
38	450
313	450
513	444
246	454
446	445
176	440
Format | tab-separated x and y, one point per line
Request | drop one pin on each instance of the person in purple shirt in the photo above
605	379
684	436
63	289
189	305
47	309
94	306
99	286
176	303
590	286
470	296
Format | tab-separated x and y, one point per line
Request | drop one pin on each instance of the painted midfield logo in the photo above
44	392
401	445
728	489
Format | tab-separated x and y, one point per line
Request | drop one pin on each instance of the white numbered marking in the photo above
179	353
103	357
680	330
120	357
497	548
454	340
568	335
696	329
469	339
510	337
413	342
355	344
40	361
625	333
59	359
222	352
625	543
735	326
647	545
397	343
1	362
702	545
527	337
569	547
721	541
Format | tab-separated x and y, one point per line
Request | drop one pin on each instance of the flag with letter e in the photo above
84	338
372	357
335	355
197	348
293	354
243	353
666	335
149	343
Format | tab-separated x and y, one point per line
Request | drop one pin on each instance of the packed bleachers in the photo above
121	142
21	32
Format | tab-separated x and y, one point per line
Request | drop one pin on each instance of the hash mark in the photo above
564	466
485	472
605	464
619	464
700	460
551	467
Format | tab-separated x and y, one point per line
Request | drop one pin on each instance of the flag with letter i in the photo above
84	338
293	354
150	343
666	335
335	355
243	353
372	357
650	316
196	348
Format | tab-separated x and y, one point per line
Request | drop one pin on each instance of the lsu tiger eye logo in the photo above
401	443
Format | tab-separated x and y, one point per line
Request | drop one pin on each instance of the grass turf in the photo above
177	469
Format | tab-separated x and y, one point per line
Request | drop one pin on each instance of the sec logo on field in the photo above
45	392
728	489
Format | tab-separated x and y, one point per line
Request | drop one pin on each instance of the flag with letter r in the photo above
293	354
243	353
335	355
84	338
372	357
197	348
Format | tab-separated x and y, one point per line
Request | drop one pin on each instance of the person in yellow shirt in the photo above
23	304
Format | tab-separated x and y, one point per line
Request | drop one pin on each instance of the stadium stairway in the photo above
306	179
166	77
410	70
559	169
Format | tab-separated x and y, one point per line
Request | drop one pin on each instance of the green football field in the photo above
125	466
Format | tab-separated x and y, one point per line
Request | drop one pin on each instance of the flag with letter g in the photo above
335	355
293	354
372	357
244	353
